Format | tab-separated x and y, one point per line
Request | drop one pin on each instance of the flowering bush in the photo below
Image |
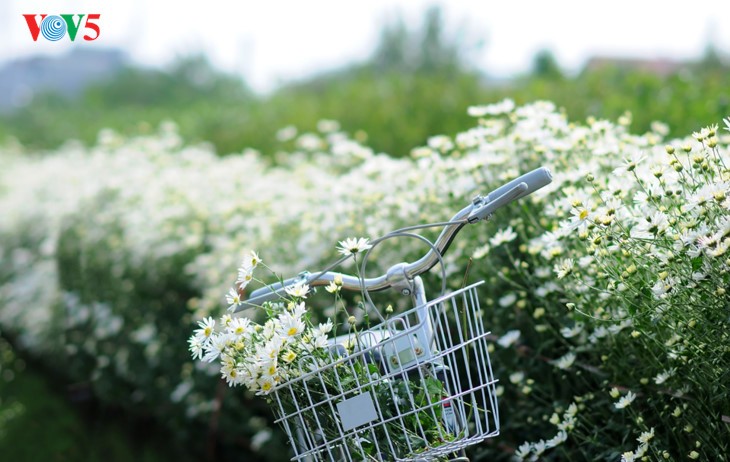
607	290
637	246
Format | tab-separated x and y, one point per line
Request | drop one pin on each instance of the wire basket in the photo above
416	387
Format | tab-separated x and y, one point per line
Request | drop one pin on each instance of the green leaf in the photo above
435	387
696	263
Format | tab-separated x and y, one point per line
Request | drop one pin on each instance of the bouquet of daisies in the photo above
261	356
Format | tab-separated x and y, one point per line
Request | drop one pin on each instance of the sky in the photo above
275	41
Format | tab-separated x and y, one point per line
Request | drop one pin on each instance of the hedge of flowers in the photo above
606	291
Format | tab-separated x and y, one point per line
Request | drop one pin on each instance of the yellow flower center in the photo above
292	331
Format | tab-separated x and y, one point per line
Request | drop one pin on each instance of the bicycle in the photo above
417	386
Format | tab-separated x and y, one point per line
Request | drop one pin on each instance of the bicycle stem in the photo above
400	274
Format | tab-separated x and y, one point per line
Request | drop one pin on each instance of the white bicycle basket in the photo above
417	387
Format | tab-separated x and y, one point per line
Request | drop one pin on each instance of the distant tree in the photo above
188	79
545	66
712	59
429	50
196	72
392	51
438	52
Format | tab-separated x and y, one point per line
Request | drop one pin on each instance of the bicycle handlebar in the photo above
481	208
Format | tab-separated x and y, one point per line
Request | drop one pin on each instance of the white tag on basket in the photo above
357	411
403	352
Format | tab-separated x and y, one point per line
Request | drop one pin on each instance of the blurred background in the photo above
233	74
397	70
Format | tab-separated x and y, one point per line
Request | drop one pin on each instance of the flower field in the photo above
606	291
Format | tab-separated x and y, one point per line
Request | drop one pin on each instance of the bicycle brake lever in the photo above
484	211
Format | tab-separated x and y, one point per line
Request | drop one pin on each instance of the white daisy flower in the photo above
646	436
299	290
503	236
233	299
565	361
509	338
251	260
564	267
207	329
625	401
352	246
290	326
196	347
663	377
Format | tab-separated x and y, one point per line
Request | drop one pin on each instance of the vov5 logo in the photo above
54	27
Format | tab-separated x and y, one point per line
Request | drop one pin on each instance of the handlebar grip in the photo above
534	180
512	191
